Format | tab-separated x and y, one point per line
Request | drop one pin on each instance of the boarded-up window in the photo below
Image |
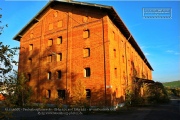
30	47
86	33
49	58
55	13
50	42
50	26
59	40
59	57
86	52
59	23
85	19
31	35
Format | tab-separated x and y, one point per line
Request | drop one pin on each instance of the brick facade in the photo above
68	42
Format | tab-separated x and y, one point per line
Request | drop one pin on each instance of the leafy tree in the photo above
79	95
19	92
6	56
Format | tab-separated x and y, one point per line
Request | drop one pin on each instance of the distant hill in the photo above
173	84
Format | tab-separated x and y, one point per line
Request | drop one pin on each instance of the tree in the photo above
79	94
6	56
19	92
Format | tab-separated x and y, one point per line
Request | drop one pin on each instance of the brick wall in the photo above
111	57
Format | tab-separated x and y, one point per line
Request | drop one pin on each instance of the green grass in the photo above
173	84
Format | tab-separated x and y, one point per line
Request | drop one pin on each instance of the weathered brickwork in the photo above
75	42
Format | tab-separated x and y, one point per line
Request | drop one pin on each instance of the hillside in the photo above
173	84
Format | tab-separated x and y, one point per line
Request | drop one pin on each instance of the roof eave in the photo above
118	21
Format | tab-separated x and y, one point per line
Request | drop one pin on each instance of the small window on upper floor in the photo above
86	33
59	23
50	26
49	58
30	61
31	35
87	72
30	47
86	52
49	75
114	52
59	57
59	75
115	72
50	42
59	40
113	35
85	19
55	13
123	58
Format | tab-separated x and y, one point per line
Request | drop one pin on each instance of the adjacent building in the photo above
70	41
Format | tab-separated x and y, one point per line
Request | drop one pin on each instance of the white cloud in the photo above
173	52
146	54
170	51
177	53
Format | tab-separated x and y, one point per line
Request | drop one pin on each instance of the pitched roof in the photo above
110	11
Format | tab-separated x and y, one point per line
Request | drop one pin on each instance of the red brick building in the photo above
70	41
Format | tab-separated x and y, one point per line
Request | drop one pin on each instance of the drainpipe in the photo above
126	61
105	102
67	54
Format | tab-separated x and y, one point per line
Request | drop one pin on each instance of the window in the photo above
50	42
48	94
88	93
59	74
86	52
49	75
114	53
29	77
86	33
113	35
50	26
55	13
59	57
31	35
115	72
59	40
87	72
61	94
59	23
123	58
49	58
85	18
30	47
30	60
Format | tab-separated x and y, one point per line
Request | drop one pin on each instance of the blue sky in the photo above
159	39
